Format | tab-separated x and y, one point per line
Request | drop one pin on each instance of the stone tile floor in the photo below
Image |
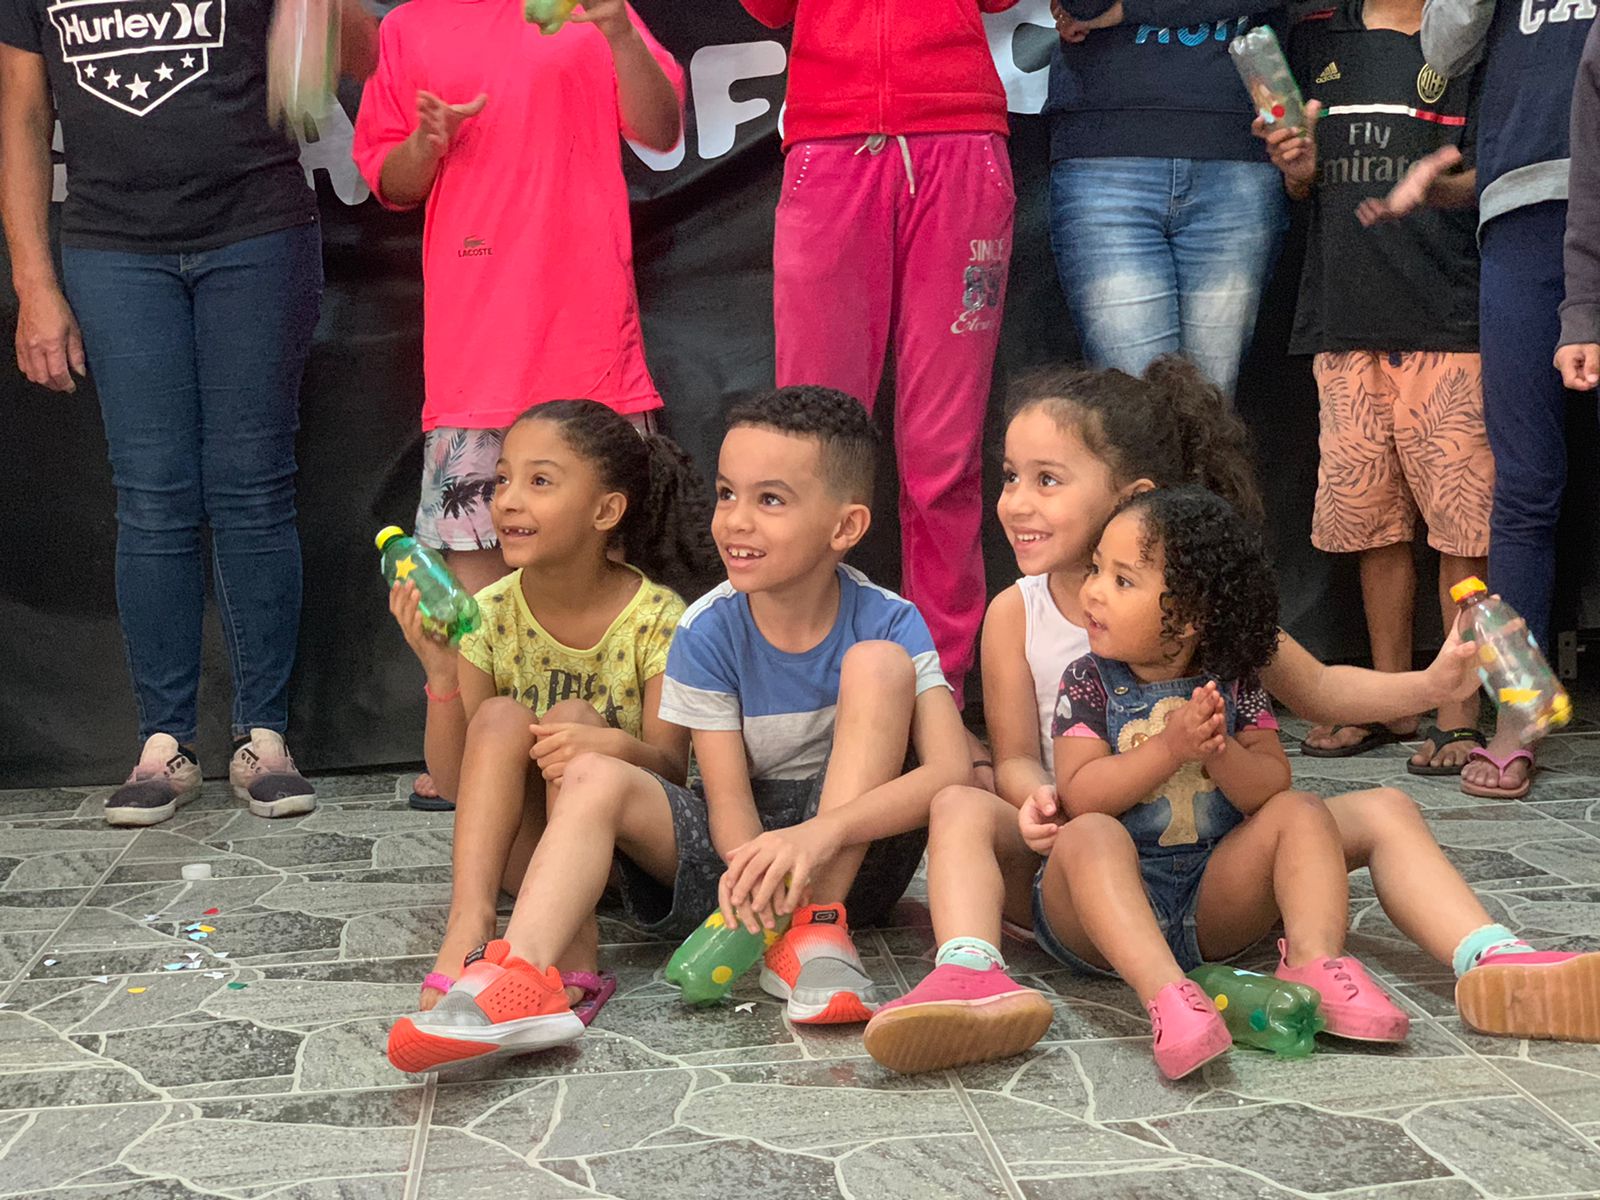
196	1086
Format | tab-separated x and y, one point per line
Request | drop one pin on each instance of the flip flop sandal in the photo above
438	981
430	803
1501	765
597	989
1440	739
1377	736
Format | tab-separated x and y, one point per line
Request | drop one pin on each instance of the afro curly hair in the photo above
1219	578
847	440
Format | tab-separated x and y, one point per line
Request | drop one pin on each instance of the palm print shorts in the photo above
1402	434
458	484
458	487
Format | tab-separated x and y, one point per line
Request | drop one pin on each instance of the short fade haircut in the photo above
847	440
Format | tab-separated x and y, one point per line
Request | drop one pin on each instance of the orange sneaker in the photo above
815	968
500	1004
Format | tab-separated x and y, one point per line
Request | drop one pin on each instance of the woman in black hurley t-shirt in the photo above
192	263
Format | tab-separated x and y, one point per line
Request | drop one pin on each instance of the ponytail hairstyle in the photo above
1172	427
1219	578
666	529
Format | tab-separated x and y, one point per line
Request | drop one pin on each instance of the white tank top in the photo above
1051	643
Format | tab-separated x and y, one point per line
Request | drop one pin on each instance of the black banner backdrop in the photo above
703	233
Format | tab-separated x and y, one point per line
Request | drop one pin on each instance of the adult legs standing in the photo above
1524	410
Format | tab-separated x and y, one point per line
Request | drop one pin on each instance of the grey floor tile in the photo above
281	1087
1508	1147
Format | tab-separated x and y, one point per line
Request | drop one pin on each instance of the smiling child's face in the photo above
776	520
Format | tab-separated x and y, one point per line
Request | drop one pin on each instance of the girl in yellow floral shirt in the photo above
599	524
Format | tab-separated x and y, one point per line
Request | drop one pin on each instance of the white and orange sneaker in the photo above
501	1004
815	968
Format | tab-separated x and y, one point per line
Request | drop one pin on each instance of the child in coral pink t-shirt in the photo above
512	140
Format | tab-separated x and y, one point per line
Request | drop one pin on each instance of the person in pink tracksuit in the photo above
894	229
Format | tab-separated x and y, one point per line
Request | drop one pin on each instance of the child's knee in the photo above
877	665
501	717
1089	837
1388	806
959	807
593	784
572	712
1300	810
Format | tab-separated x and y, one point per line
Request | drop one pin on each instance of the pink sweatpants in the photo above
906	242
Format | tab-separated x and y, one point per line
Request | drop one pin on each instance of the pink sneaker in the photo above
1189	1033
957	1016
1544	994
1353	1005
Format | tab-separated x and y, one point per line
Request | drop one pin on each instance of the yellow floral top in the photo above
527	664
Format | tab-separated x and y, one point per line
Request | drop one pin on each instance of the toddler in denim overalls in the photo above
1174	829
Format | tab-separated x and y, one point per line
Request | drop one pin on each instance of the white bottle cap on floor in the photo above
197	870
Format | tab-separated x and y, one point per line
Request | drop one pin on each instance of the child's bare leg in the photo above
501	802
1459	714
573	712
978	866
1285	859
967	1010
1388	592
871	730
1095	900
1423	894
604	805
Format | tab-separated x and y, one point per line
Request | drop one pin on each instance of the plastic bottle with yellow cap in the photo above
448	609
1264	1012
1510	664
709	963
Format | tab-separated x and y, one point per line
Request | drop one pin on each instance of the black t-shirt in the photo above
163	108
1407	285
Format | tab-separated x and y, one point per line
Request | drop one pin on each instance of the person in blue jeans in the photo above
190	284
1165	215
1530	57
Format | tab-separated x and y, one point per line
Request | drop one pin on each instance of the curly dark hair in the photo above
666	530
1219	578
846	437
1171	427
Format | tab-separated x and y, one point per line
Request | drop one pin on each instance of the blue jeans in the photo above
1524	403
197	359
1160	255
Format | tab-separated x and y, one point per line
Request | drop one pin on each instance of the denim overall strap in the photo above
1188	809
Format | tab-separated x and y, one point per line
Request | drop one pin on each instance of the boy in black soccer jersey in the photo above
1390	311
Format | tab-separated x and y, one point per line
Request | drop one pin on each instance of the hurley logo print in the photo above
1330	73
137	54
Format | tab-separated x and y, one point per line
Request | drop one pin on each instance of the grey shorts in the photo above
674	912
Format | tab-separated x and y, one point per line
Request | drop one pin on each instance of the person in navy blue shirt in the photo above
1529	53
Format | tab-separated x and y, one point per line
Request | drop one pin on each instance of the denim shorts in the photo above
1172	884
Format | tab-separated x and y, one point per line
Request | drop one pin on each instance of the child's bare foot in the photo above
425	796
1346	741
461	937
1503	771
